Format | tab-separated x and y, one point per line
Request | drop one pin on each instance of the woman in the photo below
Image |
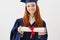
31	18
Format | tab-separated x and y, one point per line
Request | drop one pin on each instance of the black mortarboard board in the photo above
26	1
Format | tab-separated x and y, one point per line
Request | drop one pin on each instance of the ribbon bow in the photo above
32	33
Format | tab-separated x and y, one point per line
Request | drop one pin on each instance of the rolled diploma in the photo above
37	29
25	29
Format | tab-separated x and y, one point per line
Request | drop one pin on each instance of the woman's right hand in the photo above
21	32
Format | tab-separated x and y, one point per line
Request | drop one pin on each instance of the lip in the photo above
31	10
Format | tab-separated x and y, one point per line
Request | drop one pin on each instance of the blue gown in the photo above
15	35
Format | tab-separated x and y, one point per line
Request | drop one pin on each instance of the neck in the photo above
32	15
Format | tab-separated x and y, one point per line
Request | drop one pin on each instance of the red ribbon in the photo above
32	33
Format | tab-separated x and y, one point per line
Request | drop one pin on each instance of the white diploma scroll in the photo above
25	29
37	29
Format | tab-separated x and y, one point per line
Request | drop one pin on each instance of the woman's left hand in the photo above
42	33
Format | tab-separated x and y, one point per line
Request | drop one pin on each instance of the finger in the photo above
41	33
21	32
45	30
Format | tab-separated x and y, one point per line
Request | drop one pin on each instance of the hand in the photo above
42	33
21	32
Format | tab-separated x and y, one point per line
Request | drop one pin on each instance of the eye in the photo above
33	5
28	6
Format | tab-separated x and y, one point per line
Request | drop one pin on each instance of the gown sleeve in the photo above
44	37
14	35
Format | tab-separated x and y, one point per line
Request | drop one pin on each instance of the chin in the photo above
31	12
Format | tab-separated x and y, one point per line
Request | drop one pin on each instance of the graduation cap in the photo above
26	1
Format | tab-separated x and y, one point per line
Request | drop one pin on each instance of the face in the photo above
31	7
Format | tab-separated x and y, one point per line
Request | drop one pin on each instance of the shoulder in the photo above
18	20
44	23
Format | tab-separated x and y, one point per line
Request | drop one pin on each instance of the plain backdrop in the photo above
10	10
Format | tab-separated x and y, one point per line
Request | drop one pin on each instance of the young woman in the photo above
31	18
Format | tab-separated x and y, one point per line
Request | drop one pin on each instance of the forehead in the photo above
31	3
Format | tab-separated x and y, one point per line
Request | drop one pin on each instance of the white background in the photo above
10	10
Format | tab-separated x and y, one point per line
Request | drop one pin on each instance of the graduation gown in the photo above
15	35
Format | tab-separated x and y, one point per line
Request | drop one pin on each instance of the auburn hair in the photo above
38	19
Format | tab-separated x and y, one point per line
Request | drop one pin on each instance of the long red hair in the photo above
38	19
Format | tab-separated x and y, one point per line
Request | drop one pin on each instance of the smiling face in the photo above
31	7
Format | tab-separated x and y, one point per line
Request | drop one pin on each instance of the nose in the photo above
31	7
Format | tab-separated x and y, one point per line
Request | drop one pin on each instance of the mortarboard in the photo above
26	1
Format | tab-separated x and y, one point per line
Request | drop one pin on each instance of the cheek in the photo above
34	8
28	8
